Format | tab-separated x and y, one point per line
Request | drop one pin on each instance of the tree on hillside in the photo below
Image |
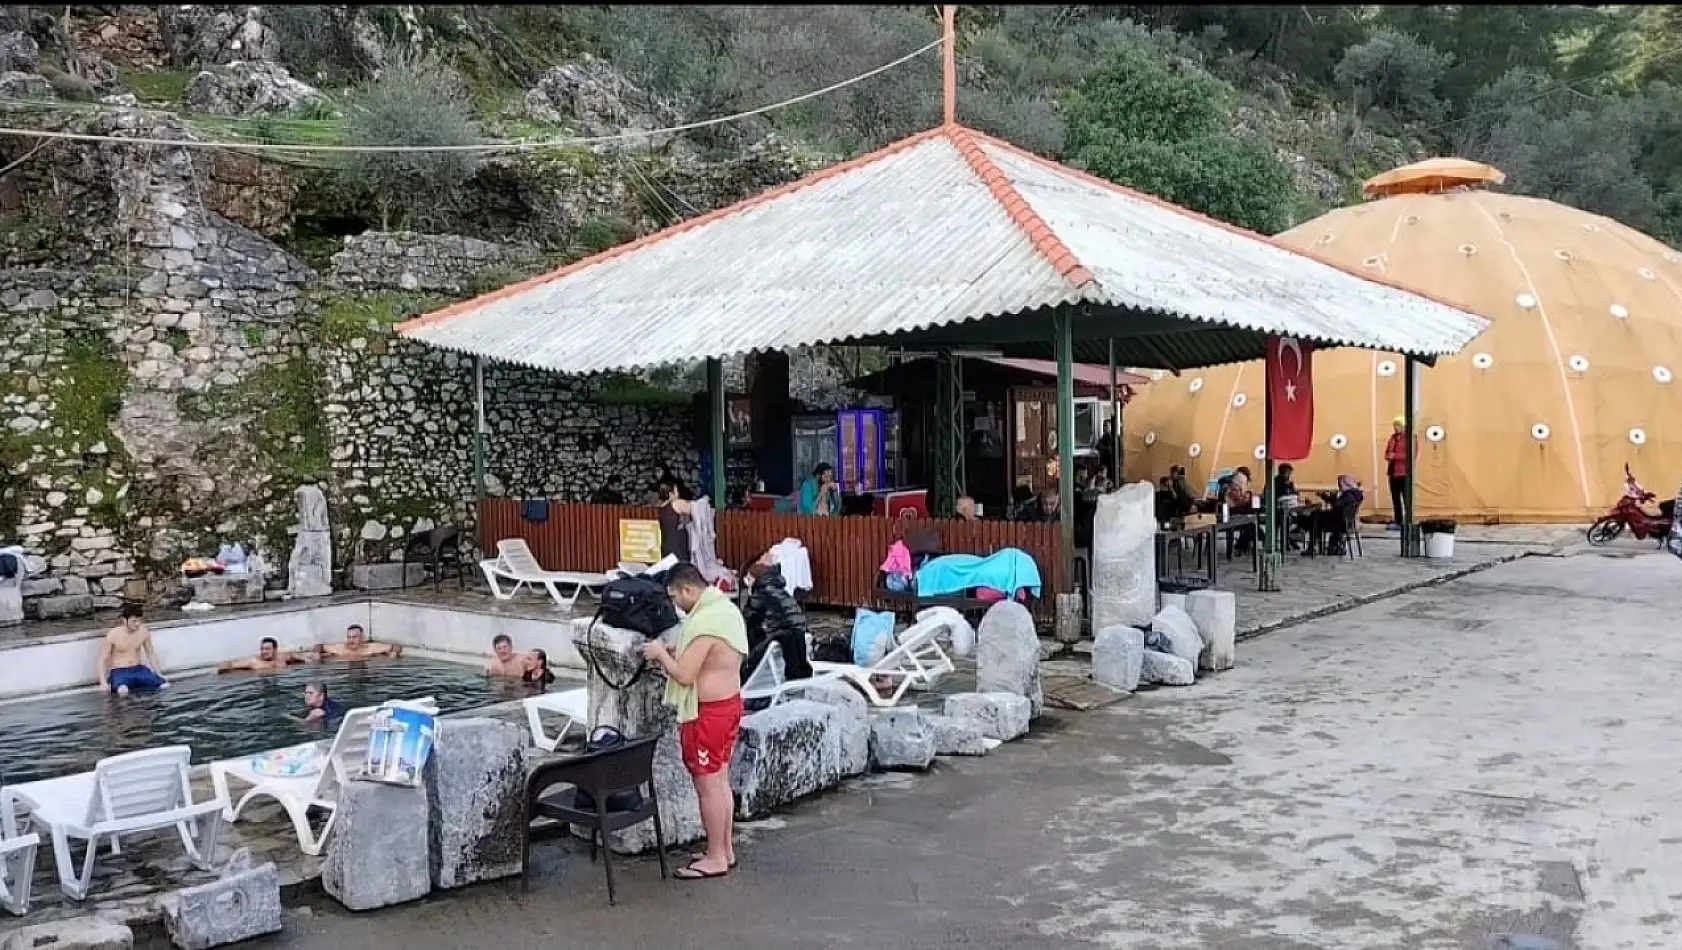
416	100
1396	73
1164	130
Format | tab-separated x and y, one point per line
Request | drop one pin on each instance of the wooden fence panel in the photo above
846	552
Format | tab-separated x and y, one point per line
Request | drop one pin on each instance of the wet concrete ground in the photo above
1487	764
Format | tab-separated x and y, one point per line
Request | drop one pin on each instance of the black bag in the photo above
637	603
603	739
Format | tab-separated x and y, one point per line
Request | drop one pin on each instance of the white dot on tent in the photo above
1540	432
1562	254
1339	441
1468	249
1260	452
1194	450
1325	239
1157	375
1591	226
1620	311
1239	400
1387	368
1637	437
1411	219
1647	272
1377	260
1661	374
1435	434
1196	384
1483	361
1150	437
1579	363
1526	301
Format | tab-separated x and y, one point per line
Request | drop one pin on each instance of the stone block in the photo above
44	587
379	852
852	723
1117	654
954	736
1007	653
1182	636
11	605
1002	716
389	576
223	589
77	933
1071	618
784	753
1215	614
476	779
245	903
73	586
59	608
1174	600
1166	669
1123	588
901	739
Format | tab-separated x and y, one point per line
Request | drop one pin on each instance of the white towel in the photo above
790	555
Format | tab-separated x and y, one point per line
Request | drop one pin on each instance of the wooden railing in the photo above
846	552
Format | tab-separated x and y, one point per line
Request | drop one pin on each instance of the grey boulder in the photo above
476	778
784	753
1002	716
1166	669
953	736
852	722
379	853
1117	655
1007	654
245	903
1183	639
901	739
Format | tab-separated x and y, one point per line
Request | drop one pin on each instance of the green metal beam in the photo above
948	434
1066	437
715	400
479	428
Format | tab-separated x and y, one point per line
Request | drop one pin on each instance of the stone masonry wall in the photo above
428	262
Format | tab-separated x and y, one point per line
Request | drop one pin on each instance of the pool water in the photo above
222	715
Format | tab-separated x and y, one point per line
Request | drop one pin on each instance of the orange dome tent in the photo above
1532	423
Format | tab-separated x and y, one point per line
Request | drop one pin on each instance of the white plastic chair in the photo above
296	795
17	869
573	705
125	794
515	562
768	679
918	660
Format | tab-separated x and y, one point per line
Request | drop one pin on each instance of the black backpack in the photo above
630	799
638	602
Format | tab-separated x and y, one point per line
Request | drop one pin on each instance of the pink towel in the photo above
899	559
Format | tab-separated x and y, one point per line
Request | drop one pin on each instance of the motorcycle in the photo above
1631	512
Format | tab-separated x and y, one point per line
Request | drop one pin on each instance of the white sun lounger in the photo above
125	794
573	705
918	660
17	868
515	562
296	795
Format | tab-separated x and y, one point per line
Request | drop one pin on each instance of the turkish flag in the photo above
1290	397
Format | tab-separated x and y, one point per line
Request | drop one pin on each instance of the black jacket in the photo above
773	617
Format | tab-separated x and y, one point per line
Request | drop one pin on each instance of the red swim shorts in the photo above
709	740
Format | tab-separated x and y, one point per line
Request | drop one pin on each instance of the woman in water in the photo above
317	705
537	669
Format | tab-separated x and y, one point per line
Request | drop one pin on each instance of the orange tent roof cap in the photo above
1430	176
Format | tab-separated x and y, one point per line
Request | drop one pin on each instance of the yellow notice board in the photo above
639	540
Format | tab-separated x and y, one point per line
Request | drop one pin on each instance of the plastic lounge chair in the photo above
17	868
296	795
600	774
573	704
514	561
125	794
767	682
918	660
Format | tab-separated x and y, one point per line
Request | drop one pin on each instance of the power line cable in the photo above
567	142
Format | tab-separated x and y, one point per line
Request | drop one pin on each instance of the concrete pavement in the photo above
1484	764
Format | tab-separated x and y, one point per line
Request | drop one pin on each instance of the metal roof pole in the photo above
1410	397
715	427
1267	579
1115	421
949	433
479	428
1064	324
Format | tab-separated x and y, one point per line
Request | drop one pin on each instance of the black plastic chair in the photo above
438	549
600	774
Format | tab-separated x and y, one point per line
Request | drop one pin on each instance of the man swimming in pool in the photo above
318	705
269	657
507	664
357	647
122	656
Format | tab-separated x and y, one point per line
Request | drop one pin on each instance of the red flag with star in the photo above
1290	397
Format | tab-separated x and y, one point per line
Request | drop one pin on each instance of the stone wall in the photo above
427	262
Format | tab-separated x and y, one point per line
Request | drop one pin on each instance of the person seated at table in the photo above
1328	531
357	647
965	509
1239	498
1185	501
819	493
1284	482
269	657
1043	508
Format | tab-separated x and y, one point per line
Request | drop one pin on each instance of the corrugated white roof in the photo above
939	229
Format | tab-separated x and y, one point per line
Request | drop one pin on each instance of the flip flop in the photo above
693	873
701	857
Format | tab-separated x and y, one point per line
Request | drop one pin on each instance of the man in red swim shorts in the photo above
704	684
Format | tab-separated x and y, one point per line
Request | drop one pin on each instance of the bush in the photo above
416	101
1163	130
1396	73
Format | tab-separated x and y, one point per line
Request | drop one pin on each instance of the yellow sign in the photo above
639	540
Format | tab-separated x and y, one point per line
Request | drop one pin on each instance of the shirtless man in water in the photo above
123	656
268	658
507	664
357	647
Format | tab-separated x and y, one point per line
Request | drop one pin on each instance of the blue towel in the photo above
535	511
868	627
1008	570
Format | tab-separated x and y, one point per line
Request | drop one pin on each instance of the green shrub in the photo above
599	234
